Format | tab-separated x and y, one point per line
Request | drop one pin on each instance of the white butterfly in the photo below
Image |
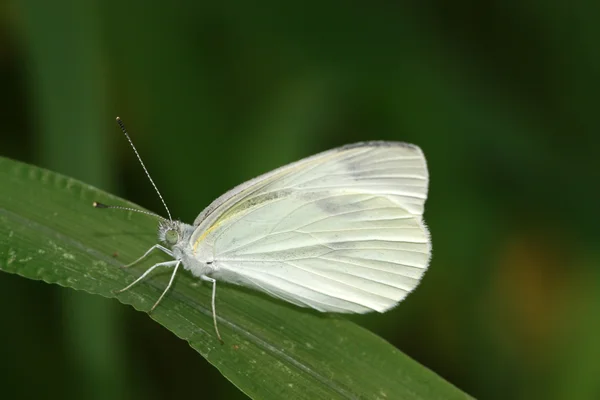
341	231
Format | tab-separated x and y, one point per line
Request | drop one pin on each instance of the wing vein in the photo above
347	284
318	291
376	269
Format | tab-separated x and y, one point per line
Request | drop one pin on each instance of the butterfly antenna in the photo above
97	204
122	126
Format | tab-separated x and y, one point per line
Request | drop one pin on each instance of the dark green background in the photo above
501	96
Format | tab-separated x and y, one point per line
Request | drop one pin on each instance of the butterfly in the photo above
341	231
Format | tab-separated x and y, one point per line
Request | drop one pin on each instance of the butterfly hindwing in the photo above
340	231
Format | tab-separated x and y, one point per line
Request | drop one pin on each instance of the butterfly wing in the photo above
340	231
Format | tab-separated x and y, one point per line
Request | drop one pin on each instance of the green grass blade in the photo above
49	231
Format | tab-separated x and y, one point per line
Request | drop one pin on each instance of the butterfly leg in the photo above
162	264
168	286
214	293
156	246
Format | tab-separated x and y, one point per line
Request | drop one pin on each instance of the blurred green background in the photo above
501	96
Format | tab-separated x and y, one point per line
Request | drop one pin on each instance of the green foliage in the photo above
50	232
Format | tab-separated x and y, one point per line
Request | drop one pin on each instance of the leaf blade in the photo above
50	232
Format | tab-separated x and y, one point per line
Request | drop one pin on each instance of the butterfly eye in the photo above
171	237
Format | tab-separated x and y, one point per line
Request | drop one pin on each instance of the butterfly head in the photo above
170	232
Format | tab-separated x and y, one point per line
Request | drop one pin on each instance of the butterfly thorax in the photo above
176	236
